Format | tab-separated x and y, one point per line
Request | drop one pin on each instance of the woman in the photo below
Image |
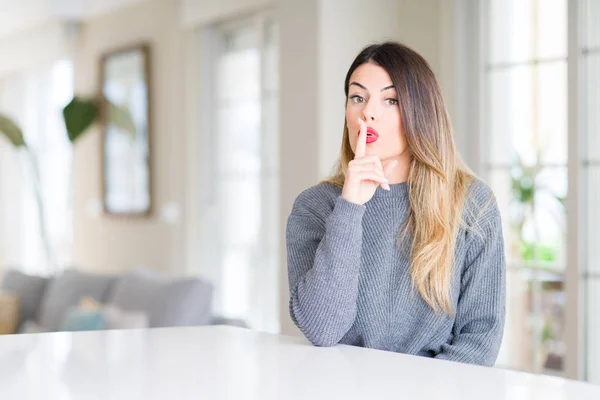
402	248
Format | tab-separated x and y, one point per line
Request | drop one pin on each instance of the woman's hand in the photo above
365	173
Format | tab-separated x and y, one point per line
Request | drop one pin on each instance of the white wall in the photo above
33	48
199	12
115	244
36	47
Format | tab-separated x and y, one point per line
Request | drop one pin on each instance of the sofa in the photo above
77	300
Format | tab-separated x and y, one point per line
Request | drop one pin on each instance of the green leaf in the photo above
121	118
79	115
538	252
12	132
547	332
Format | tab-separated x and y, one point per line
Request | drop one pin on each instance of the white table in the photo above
232	363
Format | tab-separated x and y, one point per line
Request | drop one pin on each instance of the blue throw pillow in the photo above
77	319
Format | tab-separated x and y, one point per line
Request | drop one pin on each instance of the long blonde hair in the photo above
438	178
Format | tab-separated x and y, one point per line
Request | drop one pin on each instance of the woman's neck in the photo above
400	173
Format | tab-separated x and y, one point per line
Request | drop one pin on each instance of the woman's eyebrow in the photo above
364	88
359	85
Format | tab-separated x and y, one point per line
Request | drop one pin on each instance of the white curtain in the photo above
34	100
240	227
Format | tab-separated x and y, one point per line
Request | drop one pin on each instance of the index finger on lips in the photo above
361	142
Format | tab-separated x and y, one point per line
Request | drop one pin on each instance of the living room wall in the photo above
112	244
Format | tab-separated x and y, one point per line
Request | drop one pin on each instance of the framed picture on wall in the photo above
125	84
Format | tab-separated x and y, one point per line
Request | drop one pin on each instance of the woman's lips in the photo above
372	135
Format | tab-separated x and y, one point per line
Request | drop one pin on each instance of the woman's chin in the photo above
371	150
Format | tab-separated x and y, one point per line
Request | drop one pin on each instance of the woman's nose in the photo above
369	112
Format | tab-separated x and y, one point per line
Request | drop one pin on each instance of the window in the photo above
244	238
525	162
34	100
589	54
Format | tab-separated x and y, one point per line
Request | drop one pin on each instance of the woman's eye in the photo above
357	99
392	102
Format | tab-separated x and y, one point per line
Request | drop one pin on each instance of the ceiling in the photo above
18	15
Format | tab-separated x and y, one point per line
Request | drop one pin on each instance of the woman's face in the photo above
373	98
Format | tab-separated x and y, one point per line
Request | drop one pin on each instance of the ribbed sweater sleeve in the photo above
481	308
323	255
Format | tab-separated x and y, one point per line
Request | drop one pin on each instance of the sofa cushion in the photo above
31	326
115	317
28	288
167	302
78	319
66	290
119	319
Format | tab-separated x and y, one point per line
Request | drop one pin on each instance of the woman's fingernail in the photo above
386	186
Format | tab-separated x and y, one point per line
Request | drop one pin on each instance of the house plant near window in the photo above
78	115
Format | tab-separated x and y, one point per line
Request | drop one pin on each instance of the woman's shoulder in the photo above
479	191
480	205
317	200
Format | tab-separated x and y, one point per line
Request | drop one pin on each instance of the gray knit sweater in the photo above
350	283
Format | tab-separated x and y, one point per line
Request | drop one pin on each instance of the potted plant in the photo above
78	116
13	133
